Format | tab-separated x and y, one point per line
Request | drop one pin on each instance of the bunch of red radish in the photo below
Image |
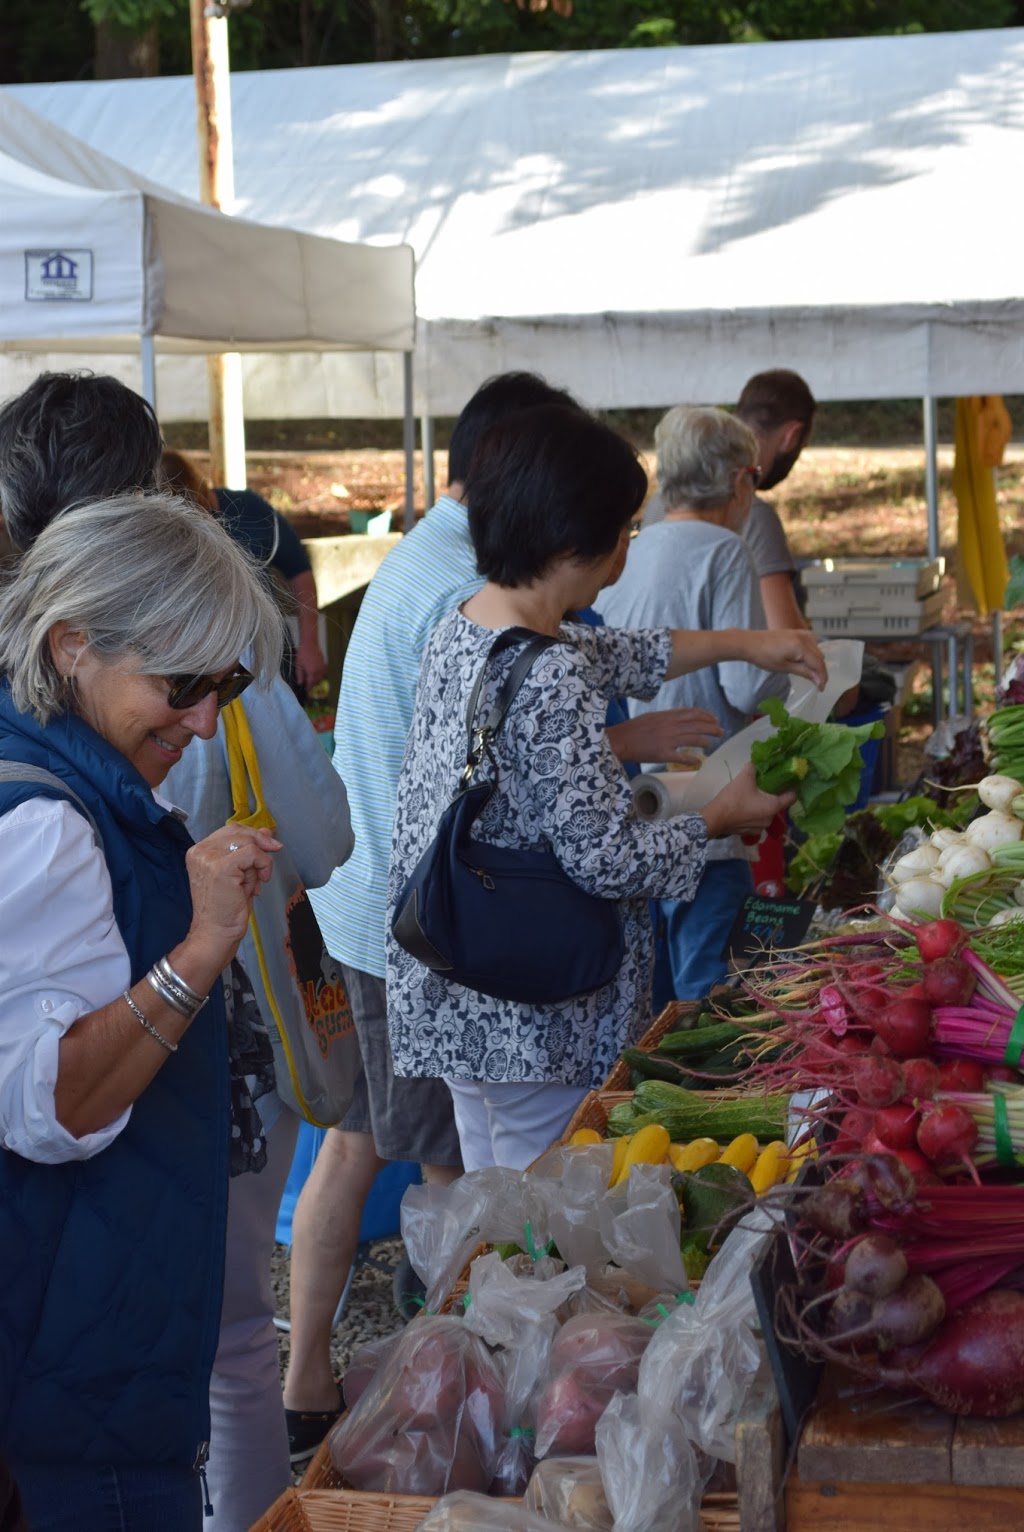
871	1046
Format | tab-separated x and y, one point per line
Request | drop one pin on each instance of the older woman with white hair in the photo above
693	570
120	638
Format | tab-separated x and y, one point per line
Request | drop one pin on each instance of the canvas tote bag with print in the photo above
316	1052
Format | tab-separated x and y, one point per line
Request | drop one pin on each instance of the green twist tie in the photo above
420	1303
1015	1041
686	1297
519	1431
531	1248
1004	1142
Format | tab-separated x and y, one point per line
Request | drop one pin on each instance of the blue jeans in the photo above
83	1499
696	932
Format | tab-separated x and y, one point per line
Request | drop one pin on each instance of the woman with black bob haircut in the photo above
551	495
564	487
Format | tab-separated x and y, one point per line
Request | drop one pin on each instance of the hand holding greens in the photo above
820	762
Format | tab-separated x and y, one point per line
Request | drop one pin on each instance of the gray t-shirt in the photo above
763	534
692	574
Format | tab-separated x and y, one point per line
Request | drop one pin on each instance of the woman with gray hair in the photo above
692	570
120	638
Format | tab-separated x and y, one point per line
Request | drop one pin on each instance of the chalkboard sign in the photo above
764	924
796	1378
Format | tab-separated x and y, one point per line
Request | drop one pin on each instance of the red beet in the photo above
921	1169
962	1075
1002	1072
914	992
905	1025
908	1315
878	1081
974	1362
853	1042
939	939
949	981
896	1126
875	1265
947	1134
854	1127
922	1078
865	1001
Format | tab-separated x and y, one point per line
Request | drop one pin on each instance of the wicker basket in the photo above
326	1510
672	1018
343	1510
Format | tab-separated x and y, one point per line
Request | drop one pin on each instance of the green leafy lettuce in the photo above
820	762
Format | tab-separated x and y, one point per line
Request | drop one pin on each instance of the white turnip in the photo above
962	862
915	864
921	896
993	830
1000	793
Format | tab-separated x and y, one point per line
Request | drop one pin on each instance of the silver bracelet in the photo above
144	1022
170	994
167	973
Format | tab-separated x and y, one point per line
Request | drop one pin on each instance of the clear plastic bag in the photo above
463	1512
443	1225
652	1476
517	1314
364	1366
705	1357
592	1357
430	1421
571	1493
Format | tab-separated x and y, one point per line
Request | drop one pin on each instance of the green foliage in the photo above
133	15
821	762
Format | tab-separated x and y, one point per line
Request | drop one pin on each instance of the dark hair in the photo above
505	394
546	483
180	476
69	438
770	399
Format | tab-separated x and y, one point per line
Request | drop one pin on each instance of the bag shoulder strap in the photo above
21	771
244	770
478	740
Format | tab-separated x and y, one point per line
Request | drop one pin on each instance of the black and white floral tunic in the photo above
559	782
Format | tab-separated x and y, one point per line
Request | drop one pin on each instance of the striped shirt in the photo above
432	570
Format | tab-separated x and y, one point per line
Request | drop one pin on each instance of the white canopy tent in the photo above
642	225
95	258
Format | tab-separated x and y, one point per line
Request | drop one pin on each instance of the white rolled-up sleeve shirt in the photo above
61	957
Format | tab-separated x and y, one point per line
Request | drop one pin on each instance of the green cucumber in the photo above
650	1066
700	1039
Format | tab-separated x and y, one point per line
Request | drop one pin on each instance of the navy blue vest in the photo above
113	1267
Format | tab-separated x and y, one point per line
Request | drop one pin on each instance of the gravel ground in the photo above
369	1313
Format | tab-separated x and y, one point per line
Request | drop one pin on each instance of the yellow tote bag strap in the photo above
244	769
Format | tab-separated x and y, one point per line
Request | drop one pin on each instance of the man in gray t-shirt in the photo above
779	409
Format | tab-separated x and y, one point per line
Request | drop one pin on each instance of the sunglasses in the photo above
185	691
755	473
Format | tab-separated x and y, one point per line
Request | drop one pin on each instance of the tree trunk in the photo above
384	30
307	34
121	54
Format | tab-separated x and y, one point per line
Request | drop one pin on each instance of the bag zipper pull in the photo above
199	1467
485	879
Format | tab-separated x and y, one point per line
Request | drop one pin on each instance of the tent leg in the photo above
931	474
408	437
427	445
148	352
997	647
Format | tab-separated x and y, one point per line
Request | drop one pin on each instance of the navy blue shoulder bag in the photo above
504	922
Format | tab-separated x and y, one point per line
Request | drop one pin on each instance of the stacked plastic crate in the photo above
873	598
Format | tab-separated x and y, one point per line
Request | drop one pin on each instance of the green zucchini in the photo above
650	1066
700	1039
687	1116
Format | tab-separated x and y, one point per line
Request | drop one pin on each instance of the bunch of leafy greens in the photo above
821	762
843	865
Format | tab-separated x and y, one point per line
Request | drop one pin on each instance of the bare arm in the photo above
664	735
107	1058
794	651
310	664
781	608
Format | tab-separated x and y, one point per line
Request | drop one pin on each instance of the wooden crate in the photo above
876	1462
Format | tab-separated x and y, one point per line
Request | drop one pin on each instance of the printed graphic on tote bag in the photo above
317	975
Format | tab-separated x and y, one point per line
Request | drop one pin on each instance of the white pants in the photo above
506	1124
249	1465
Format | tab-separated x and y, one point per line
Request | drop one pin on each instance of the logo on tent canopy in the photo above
58	276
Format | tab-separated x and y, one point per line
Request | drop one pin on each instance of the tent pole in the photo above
427	446
931	473
408	437
148	369
997	647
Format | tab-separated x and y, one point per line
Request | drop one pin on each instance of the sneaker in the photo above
307	1429
407	1289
